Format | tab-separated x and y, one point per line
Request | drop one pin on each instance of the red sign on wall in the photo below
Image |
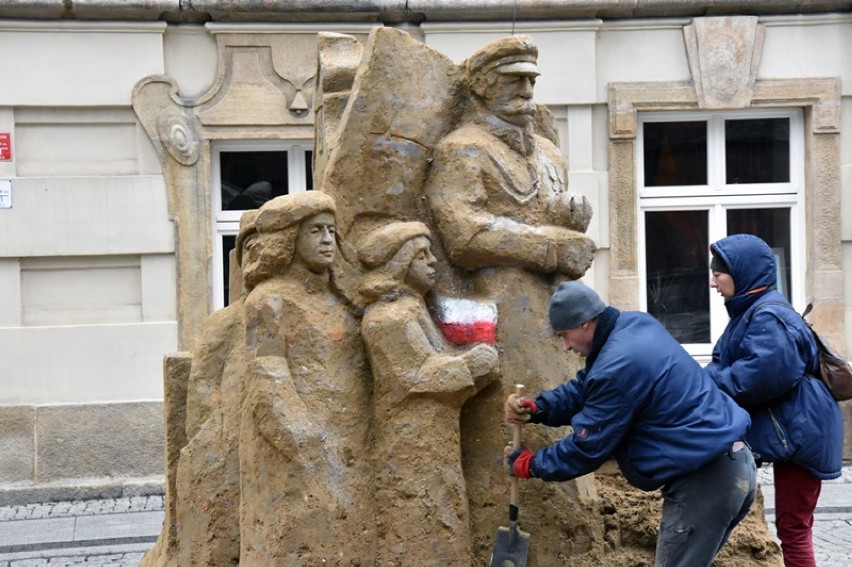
5	146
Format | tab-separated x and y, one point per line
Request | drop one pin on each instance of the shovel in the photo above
512	545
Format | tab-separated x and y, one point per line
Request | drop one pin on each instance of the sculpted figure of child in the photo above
420	385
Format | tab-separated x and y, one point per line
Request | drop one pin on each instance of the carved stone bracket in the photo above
724	54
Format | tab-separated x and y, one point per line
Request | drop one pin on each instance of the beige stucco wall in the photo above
93	197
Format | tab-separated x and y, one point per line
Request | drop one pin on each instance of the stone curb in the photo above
81	489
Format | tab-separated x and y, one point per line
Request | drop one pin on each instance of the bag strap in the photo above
782	304
821	345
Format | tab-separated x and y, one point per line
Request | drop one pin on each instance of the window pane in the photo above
675	153
757	151
773	226
228	243
249	179
677	278
309	170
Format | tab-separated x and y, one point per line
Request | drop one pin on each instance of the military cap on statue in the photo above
512	55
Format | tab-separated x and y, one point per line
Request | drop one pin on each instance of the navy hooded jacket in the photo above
641	398
766	360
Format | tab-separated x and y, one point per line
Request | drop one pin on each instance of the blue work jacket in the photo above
643	399
766	359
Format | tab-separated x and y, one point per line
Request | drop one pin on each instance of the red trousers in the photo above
796	495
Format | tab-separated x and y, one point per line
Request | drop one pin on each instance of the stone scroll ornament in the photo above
177	134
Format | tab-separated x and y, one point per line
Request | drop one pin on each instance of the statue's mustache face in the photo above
511	98
516	110
515	106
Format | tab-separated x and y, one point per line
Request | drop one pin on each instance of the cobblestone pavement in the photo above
117	532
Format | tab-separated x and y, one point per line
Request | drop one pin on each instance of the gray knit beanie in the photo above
572	304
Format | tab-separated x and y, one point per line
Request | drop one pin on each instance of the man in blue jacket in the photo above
644	400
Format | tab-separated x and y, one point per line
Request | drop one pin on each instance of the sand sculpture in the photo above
494	193
420	385
386	317
304	438
208	482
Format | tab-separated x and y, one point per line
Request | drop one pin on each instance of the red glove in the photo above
528	403
518	462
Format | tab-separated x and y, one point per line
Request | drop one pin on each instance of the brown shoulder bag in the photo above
834	370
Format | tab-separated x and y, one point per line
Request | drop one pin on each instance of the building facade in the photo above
132	134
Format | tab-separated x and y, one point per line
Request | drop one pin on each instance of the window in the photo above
703	176
246	175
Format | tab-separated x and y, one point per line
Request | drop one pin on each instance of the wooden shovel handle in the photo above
516	442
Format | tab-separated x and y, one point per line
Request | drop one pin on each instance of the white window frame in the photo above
227	223
716	197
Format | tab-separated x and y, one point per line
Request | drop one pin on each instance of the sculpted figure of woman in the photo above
305	481
420	382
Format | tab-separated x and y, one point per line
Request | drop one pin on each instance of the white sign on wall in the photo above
5	193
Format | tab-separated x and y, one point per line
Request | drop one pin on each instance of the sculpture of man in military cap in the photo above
304	434
497	188
498	193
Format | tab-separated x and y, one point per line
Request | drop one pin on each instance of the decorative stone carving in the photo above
178	136
724	55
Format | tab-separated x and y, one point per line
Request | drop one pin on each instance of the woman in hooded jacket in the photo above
767	360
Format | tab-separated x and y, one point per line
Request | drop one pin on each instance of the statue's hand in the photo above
481	359
573	211
574	256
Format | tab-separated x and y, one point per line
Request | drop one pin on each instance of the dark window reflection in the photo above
228	242
677	276
757	150
773	226
675	153
309	168
249	179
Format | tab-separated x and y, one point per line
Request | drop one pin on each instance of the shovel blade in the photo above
510	548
